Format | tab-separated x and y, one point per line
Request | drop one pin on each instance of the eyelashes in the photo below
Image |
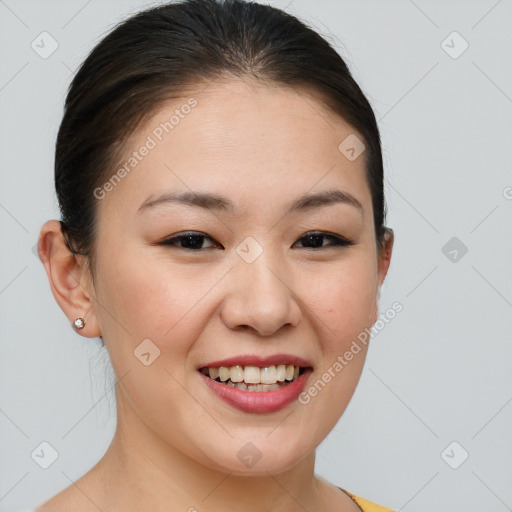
191	238
192	241
336	240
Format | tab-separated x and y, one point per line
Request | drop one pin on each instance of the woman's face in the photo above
263	280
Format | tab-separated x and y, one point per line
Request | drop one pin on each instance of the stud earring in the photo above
79	323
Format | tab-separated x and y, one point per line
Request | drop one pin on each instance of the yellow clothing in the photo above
365	505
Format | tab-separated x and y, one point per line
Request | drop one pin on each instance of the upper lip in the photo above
254	360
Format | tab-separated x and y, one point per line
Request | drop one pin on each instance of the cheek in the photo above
343	299
153	299
342	304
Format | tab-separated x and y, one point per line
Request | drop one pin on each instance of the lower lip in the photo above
259	401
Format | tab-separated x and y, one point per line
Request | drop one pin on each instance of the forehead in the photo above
254	140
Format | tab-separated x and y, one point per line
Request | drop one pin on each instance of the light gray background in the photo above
439	372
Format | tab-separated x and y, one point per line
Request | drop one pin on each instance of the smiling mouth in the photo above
254	378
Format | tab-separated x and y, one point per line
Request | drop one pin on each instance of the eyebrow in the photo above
218	203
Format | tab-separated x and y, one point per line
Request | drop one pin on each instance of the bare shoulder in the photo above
81	496
66	500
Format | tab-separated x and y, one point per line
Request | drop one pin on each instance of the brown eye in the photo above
192	240
315	240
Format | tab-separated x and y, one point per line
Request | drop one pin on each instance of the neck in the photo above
140	471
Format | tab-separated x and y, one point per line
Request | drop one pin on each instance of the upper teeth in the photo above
253	374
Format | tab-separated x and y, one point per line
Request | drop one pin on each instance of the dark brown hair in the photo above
152	56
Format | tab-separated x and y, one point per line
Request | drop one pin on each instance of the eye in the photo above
194	241
191	240
315	239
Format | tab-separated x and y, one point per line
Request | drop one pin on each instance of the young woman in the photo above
220	180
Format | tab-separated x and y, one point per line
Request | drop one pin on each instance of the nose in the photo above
260	298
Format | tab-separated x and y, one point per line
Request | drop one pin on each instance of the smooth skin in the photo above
176	443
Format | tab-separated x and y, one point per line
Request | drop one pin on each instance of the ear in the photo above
69	278
384	259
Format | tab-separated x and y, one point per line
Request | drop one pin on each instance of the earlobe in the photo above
375	308
69	279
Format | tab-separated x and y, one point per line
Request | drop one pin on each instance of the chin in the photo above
256	458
